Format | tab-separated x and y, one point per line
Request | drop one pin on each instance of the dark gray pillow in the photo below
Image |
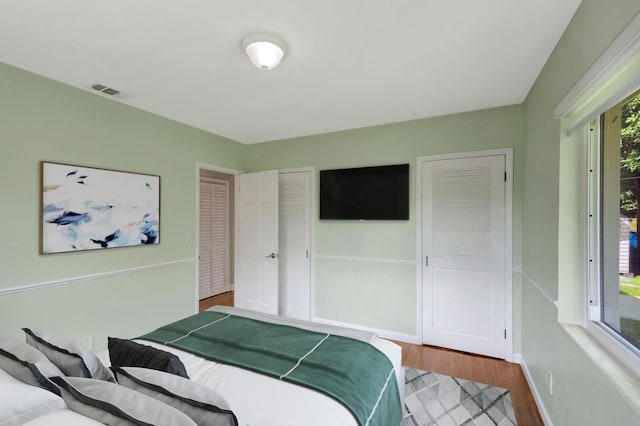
126	353
69	356
204	405
116	405
27	364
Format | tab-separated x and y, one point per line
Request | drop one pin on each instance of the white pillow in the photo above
21	402
64	417
204	405
68	355
27	364
116	405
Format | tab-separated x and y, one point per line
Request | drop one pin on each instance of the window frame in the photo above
592	321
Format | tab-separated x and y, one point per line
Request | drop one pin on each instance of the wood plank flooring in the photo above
452	363
224	299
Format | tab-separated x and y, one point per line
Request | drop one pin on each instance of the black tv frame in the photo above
365	193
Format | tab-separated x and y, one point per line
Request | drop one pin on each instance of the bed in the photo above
265	398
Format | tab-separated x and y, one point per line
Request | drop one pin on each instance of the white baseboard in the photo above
517	358
387	334
534	390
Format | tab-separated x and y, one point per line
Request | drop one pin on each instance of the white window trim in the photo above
614	76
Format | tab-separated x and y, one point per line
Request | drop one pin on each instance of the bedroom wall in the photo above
122	291
365	272
581	393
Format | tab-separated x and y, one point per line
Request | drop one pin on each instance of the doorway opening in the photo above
216	227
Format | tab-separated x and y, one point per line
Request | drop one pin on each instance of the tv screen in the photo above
365	193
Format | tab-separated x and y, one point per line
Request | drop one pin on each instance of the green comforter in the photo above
353	372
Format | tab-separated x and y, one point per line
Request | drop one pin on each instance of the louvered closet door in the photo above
464	247
214	238
294	216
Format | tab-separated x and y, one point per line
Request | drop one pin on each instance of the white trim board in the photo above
614	75
66	281
541	289
536	395
365	259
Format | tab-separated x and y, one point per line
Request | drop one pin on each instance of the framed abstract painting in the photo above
85	208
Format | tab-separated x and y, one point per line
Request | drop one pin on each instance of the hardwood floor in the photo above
225	299
479	369
452	363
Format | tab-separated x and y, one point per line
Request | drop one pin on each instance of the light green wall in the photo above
552	240
44	120
581	396
383	295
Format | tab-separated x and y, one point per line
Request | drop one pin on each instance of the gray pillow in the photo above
116	405
27	364
69	356
204	405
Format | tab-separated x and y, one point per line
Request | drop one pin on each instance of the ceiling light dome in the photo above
265	51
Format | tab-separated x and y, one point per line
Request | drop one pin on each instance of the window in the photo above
615	221
604	92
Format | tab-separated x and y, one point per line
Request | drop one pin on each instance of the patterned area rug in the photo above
435	399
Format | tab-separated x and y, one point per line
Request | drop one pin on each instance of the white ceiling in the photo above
350	63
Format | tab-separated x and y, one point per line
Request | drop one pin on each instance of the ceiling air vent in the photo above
106	90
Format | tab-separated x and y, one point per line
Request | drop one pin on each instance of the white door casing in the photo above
256	286
294	246
464	258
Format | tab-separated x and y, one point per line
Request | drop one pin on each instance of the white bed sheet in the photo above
62	417
258	400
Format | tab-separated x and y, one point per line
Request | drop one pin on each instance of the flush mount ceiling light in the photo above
265	51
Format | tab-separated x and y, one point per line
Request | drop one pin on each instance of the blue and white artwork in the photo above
85	208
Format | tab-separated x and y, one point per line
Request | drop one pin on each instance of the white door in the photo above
256	284
463	243
214	238
295	217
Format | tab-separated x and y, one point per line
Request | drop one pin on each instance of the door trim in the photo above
189	238
508	243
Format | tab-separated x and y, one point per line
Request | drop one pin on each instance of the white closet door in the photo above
214	238
294	269
256	285
205	240
220	233
464	247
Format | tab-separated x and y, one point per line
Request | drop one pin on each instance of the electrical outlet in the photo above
549	380
87	342
188	240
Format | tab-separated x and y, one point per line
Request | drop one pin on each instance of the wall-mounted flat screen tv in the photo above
365	193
